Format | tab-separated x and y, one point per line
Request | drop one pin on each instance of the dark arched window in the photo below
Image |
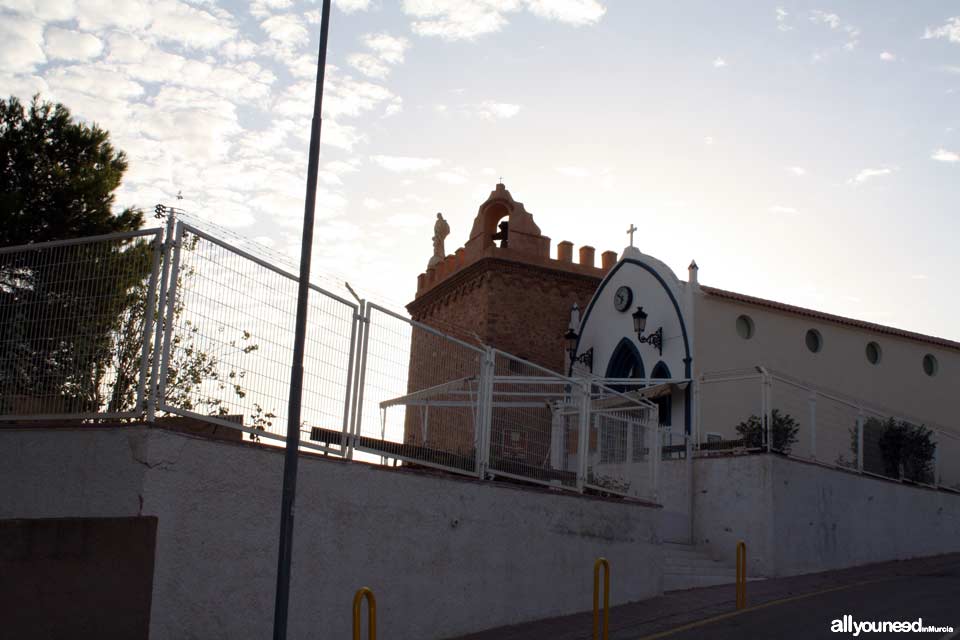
625	363
664	403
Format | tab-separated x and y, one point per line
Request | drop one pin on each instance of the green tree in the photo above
908	449
60	311
57	176
784	429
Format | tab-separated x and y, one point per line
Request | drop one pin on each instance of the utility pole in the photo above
291	456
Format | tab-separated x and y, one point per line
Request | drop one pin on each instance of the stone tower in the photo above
503	288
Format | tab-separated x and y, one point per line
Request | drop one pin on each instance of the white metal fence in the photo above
75	321
757	409
176	322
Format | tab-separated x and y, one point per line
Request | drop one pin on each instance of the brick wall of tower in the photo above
512	296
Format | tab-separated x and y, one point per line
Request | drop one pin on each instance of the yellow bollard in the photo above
371	613
741	575
606	597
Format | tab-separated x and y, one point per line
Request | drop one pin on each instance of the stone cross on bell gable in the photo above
630	231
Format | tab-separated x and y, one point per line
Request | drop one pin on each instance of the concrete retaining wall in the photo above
444	556
799	518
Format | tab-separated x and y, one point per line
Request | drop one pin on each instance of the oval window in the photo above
930	364
874	353
745	327
814	340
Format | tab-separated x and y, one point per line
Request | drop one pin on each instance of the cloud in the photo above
782	20
63	44
368	64
372	203
833	21
797	171
719	62
949	30
780	209
496	110
942	155
405	164
822	17
287	29
574	172
462	20
457	175
575	12
349	6
869	174
385	50
21	43
708	140
389	48
886	56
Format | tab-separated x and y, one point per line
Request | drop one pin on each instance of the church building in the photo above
631	318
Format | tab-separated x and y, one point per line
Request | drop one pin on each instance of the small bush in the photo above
784	430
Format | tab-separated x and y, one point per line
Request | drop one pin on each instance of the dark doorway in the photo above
664	403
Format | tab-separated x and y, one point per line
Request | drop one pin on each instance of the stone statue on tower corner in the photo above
440	231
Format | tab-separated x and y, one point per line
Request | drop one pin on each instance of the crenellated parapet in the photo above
504	230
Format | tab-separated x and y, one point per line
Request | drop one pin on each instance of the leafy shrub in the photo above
784	430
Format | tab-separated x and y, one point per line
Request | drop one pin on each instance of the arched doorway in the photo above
665	402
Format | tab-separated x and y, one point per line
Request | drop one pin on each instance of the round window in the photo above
930	364
814	340
745	327
873	353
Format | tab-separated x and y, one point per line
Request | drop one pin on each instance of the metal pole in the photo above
291	458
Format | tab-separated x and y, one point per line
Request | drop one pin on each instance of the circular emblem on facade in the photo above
623	298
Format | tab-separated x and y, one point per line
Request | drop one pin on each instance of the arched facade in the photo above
607	327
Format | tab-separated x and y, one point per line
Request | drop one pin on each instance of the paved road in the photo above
935	598
796	607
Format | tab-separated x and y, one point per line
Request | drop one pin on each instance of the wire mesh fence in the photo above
228	343
185	324
75	318
796	419
419	400
947	464
726	400
525	398
625	444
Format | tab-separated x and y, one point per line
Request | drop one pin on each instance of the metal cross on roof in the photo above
630	231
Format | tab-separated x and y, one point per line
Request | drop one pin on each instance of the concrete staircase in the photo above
686	567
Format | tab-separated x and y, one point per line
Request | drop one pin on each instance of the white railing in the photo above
757	409
177	324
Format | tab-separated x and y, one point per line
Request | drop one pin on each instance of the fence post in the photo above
164	355
364	340
936	459
583	431
765	387
159	327
145	398
350	403
860	441
488	369
813	424
655	455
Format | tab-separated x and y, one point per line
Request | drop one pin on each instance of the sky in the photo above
807	152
